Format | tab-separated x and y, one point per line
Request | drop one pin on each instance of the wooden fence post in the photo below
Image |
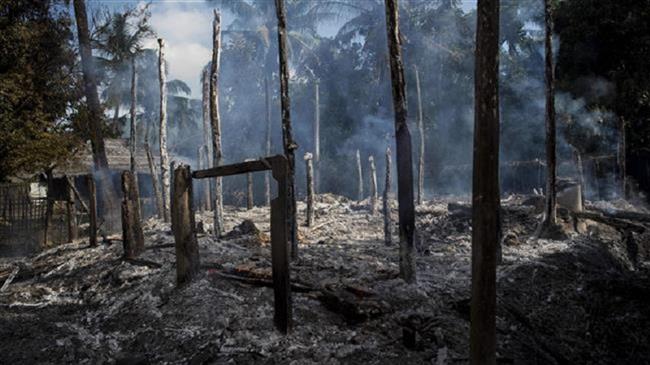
71	211
310	188
92	210
183	226
280	247
132	235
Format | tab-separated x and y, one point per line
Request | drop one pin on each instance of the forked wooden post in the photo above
183	226
92	210
132	235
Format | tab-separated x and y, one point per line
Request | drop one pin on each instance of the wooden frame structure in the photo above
280	223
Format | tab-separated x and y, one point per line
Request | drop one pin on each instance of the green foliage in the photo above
38	86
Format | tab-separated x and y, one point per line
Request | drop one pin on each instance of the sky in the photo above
186	26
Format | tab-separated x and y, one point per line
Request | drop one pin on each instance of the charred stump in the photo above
183	226
132	235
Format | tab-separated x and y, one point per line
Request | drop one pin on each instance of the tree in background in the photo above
38	88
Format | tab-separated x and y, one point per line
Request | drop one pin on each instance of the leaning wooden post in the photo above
132	235
388	236
164	156
359	177
309	167
280	236
215	122
71	212
485	186
183	226
373	185
92	210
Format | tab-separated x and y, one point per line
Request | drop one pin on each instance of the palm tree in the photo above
119	38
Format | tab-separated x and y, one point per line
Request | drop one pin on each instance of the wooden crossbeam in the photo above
262	164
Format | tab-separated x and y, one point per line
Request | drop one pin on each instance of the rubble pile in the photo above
580	300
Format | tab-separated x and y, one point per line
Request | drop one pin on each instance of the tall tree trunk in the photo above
621	158
316	162
421	135
95	117
485	185
373	185
287	138
388	231
550	211
360	177
205	105
132	132
216	122
309	167
164	157
267	175
403	143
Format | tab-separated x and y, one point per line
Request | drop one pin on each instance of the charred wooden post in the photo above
373	185
249	189
280	236
154	181
207	129
581	174
215	122
388	234
317	136
359	177
403	144
309	168
267	104
621	157
132	235
420	195
287	137
485	186
280	228
49	208
164	156
92	210
132	131
71	212
183	226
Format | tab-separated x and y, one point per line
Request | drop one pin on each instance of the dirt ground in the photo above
583	300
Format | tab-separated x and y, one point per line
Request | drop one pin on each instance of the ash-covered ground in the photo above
575	301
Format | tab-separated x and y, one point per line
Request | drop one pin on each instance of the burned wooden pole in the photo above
359	178
388	232
287	137
267	104
403	145
207	133
420	195
215	122
71	212
309	168
316	136
485	186
154	181
183	226
132	235
92	210
132	112
250	202
373	185
621	157
164	156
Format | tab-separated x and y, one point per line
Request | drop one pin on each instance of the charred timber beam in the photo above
237	168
